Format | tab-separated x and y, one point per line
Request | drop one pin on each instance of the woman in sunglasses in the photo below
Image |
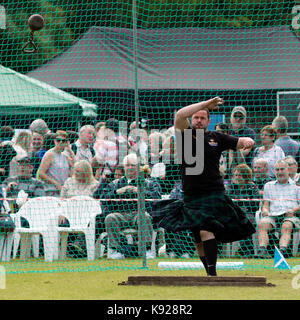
56	165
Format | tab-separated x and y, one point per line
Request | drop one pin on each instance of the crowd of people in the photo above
101	162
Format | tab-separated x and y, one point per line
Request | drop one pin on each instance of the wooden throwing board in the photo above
249	281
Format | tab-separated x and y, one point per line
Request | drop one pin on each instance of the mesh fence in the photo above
88	99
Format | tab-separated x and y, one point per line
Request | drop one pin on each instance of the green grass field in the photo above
99	279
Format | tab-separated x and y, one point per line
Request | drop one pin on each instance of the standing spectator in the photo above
239	128
39	126
280	205
293	168
289	146
83	147
260	170
269	150
7	152
55	166
23	148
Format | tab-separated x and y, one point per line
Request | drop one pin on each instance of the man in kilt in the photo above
205	208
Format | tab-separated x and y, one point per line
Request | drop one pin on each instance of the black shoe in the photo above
263	254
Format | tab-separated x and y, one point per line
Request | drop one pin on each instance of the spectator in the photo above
37	142
7	152
107	146
55	167
83	147
268	150
223	128
23	185
289	146
280	205
243	189
179	244
239	128
82	181
23	148
124	215
39	126
293	168
260	170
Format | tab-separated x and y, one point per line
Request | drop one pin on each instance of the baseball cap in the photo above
239	109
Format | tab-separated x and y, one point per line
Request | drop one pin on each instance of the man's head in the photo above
281	124
40	126
130	166
200	119
281	170
37	141
260	169
238	117
87	135
293	165
25	166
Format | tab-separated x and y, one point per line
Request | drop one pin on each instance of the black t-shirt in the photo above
210	179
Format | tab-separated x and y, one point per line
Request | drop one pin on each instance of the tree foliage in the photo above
66	20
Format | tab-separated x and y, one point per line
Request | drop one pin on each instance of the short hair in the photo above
245	171
271	130
261	160
204	109
40	126
282	161
281	124
85	128
131	157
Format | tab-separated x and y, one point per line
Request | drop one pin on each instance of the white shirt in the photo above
281	197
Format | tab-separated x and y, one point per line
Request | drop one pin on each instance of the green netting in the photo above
74	162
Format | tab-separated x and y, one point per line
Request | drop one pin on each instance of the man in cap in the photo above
239	128
23	186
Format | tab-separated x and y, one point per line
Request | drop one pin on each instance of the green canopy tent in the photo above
23	99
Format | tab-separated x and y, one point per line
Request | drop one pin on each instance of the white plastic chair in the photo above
295	235
42	215
81	212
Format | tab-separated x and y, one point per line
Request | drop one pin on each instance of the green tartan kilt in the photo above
214	212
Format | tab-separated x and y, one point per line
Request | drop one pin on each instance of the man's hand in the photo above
127	189
245	143
215	103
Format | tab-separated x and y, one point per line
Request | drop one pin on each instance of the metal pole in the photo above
141	197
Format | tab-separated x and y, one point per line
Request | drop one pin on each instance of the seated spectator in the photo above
82	181
289	146
56	166
293	168
83	147
179	244
23	185
268	150
260	170
7	152
280	206
23	148
124	214
242	187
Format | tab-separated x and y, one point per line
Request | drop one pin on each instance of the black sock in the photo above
211	252
203	260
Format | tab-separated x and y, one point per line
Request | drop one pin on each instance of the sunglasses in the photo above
60	140
238	116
